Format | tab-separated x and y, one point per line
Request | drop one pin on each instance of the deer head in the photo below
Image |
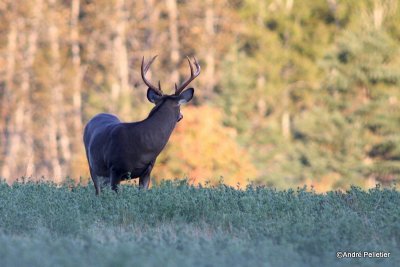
181	96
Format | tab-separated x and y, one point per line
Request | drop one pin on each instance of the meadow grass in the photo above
175	224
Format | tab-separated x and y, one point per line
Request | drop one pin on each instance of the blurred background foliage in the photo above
292	92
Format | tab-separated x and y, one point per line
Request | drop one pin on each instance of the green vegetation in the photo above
177	224
314	91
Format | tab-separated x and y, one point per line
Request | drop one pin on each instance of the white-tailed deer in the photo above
119	150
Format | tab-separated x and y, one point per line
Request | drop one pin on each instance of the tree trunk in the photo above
286	125
285	121
153	23
153	41
9	136
174	38
19	154
210	53
58	139
378	14
120	86
27	127
260	83
77	82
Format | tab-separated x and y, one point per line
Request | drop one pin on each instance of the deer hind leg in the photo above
115	179
100	182
95	181
144	179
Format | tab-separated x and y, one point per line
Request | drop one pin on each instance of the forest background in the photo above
291	92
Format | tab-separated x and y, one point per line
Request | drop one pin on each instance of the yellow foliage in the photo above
204	150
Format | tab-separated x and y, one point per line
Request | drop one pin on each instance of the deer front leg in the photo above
115	179
144	179
95	181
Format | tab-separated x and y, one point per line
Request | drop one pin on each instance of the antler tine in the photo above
193	75
197	65
144	69
190	65
147	67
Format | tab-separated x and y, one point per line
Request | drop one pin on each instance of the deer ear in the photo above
186	96
153	96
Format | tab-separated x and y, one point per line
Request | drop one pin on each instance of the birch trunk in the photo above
19	157
10	138
58	139
153	17
120	86
285	120
174	38
77	82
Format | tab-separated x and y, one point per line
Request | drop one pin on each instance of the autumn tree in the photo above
203	150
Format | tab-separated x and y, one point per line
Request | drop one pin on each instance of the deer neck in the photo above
160	124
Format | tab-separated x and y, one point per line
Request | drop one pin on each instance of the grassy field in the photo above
179	225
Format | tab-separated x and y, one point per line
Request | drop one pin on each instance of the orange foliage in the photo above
325	184
202	149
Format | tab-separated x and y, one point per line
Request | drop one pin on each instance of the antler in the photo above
144	70
193	75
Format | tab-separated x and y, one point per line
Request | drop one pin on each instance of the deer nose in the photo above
180	116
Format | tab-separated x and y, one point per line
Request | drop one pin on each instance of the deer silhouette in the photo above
117	150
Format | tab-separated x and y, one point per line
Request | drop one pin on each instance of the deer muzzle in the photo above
180	117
